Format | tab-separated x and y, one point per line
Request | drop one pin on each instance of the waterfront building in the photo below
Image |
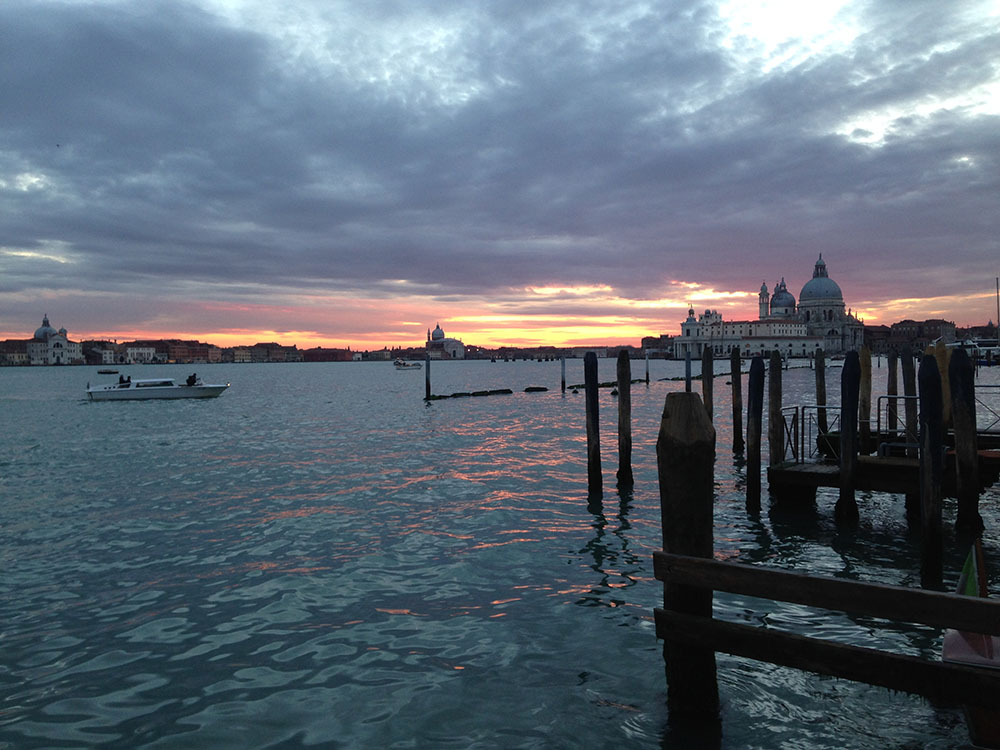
51	347
440	346
820	320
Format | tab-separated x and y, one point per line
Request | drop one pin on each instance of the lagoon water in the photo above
319	558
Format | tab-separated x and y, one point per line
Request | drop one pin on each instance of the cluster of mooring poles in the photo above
685	450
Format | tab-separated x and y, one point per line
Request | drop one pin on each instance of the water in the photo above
320	558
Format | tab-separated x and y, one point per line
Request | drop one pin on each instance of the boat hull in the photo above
166	392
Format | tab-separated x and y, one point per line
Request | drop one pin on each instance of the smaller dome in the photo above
438	334
43	333
782	297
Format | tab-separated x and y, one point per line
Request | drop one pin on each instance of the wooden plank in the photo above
873	599
939	681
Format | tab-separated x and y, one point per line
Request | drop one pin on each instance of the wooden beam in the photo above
873	599
939	681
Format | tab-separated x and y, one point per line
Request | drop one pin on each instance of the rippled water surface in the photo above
320	558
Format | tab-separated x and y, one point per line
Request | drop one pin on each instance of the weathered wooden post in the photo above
427	376
625	480
931	464
685	458
647	366
892	390
775	423
687	371
961	376
865	400
823	426
755	414
707	378
910	399
595	483
562	380
846	510
910	428
736	373
942	355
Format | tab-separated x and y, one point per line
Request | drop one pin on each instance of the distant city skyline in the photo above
343	175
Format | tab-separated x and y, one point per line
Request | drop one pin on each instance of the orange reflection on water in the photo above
399	612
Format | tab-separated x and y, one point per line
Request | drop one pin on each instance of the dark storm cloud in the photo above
162	143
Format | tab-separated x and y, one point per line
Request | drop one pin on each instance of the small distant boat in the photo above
107	372
127	389
401	365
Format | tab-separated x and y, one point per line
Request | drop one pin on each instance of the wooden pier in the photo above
932	463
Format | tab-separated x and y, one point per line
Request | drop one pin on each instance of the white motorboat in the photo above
127	389
401	365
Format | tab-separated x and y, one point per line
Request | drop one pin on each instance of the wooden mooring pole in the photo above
961	377
865	400
736	373
775	423
931	467
595	483
687	371
427	376
892	390
685	458
562	380
910	427
625	480
755	414
707	378
910	403
846	510
823	426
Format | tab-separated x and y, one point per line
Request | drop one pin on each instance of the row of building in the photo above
819	319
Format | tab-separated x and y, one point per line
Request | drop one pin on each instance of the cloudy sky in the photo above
351	173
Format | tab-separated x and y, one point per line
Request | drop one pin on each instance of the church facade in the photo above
819	320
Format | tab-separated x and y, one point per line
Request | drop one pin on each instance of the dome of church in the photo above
820	286
782	297
438	334
43	333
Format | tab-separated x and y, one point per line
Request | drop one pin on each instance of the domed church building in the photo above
818	321
440	346
51	347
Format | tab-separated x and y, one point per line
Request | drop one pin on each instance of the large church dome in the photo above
43	333
820	286
438	333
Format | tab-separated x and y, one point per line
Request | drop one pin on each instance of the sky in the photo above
350	174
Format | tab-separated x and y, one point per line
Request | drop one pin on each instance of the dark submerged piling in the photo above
595	483
735	369
846	510
931	465
625	480
755	413
685	457
562	383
